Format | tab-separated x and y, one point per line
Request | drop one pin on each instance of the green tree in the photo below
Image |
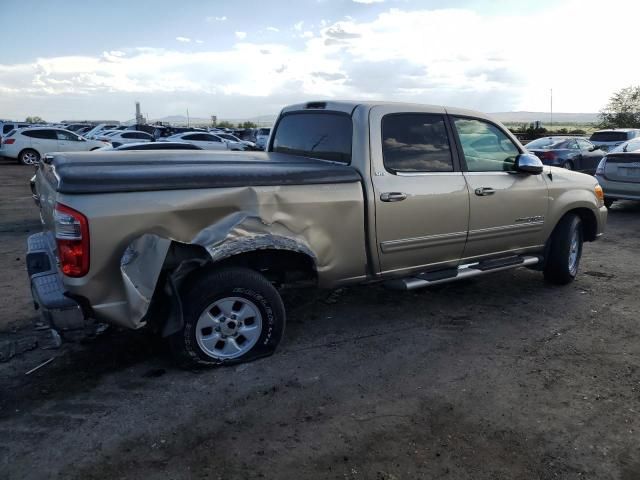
224	124
247	125
34	119
623	109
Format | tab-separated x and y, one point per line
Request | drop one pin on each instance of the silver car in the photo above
619	173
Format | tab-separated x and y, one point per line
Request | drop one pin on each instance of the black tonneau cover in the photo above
134	171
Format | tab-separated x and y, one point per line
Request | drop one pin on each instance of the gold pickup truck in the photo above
197	245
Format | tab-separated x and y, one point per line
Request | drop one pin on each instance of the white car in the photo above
99	130
608	139
30	144
206	141
233	142
262	137
120	137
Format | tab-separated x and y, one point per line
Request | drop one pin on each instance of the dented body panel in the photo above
225	222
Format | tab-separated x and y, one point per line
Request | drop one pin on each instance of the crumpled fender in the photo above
142	261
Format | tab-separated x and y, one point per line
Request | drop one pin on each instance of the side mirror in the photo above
528	163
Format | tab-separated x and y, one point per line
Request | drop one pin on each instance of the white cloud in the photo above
368	1
306	34
216	19
298	26
199	42
183	39
500	62
273	29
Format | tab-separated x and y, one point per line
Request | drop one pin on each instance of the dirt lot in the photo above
500	377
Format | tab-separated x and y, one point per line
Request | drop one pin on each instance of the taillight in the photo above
72	239
548	156
601	166
9	141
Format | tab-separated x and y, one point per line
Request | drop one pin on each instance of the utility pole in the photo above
188	122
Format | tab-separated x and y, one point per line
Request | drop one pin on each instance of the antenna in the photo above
551	125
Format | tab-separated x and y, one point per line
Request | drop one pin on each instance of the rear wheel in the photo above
230	316
29	157
565	251
568	165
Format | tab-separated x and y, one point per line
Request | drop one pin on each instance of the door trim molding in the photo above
415	243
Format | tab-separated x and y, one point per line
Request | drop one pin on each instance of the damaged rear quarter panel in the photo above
324	221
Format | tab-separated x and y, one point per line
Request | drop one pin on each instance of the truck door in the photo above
508	208
421	197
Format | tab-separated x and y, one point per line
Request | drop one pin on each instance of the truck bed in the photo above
109	172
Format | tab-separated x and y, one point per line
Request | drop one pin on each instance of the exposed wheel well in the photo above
589	222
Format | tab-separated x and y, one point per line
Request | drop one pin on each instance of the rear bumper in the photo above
619	190
47	289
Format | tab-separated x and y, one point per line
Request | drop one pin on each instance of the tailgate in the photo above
45	194
623	168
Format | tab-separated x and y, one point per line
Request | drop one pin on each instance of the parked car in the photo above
619	176
152	146
572	153
30	144
206	141
120	137
6	127
607	139
74	127
234	143
262	137
214	236
100	129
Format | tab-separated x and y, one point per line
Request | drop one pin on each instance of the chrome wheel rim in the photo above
229	328
29	158
574	251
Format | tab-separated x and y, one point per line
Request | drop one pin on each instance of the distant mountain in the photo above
545	117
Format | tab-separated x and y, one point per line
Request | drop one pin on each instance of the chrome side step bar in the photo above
464	271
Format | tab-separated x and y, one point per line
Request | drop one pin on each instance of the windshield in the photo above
548	143
318	135
609	137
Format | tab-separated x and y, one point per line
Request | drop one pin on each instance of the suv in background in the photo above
607	139
7	126
29	145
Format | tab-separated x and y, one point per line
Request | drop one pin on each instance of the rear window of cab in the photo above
322	135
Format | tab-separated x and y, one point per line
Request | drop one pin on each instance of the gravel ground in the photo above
501	377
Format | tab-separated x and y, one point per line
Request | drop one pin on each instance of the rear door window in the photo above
416	142
326	135
41	134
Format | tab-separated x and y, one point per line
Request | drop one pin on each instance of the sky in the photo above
240	59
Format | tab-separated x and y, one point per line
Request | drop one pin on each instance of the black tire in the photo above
559	269
211	286
567	165
28	152
608	202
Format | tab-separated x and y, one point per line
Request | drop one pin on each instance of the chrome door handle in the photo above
393	196
484	191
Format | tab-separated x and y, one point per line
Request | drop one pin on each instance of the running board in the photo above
469	270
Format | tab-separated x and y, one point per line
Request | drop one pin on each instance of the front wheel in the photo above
565	251
231	315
